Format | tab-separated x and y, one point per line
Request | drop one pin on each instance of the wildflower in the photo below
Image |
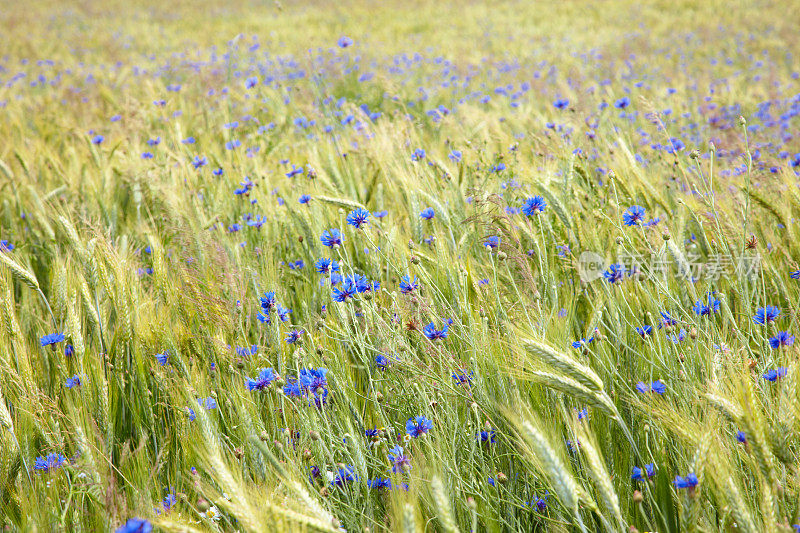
313	379
765	315
382	361
304	199
794	274
192	415
486	436
74	381
775	373
633	216
268	302
6	246
418	426
293	336
687	482
741	437
462	378
69	350
52	339
560	103
639	474
657	387
169	502
213	514
331	238
667	320
49	462
344	42
622	103
540	503
326	266
401	462
644	330
533	206
162	358
582	342
407	285
358	217
208	403
380	214
199	162
455	156
428	213
433	334
263	380
702	308
135	525
782	338
346	291
97	139
283	313
418	154
492	242
345	474
614	273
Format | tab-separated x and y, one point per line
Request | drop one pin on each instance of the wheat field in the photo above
399	266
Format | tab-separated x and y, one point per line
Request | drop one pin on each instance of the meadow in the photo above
399	266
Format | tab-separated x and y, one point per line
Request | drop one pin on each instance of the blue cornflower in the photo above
794	274
208	403
293	336
539	503
358	217
382	361
533	206
244	351
52	461
706	308
428	213
418	154
657	387
687	482
192	415
283	313
97	139
741	436
250	82
69	350
462	378
344	41
407	285
433	334
633	216
326	266
645	330
313	379
680	337
268	302
486	436
765	315
345	474
639	474
263	380
304	199
135	525
380	214
418	426
614	273
667	320
6	246
401	462
347	290
582	342
74	381
331	238
560	103
622	103
492	242
199	162
782	338
775	373
169	502
455	156
162	358
52	339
